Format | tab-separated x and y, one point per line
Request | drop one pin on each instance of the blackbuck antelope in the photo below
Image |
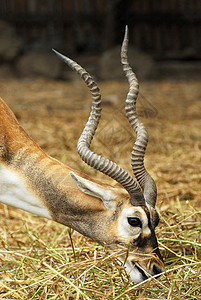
121	218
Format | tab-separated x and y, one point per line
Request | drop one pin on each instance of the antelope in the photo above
121	217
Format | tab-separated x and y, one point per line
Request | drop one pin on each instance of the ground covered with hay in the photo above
40	259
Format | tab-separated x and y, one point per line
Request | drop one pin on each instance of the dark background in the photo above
165	29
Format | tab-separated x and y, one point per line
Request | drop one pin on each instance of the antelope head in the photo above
130	209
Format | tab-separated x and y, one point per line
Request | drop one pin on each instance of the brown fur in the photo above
50	182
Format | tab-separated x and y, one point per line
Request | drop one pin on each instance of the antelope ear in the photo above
95	189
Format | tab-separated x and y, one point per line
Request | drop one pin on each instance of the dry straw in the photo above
40	259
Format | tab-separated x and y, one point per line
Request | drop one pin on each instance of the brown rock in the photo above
36	64
10	42
110	64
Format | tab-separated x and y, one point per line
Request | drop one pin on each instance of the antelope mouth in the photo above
141	271
139	274
155	271
136	272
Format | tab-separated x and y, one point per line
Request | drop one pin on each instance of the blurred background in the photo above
165	37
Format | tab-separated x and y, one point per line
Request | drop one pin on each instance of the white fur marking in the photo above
14	192
133	272
125	230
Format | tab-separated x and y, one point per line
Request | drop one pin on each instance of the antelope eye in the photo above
134	222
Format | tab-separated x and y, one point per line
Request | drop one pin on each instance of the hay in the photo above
40	259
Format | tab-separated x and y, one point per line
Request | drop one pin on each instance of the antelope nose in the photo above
157	270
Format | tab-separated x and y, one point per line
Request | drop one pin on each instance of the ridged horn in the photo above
92	159
145	181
